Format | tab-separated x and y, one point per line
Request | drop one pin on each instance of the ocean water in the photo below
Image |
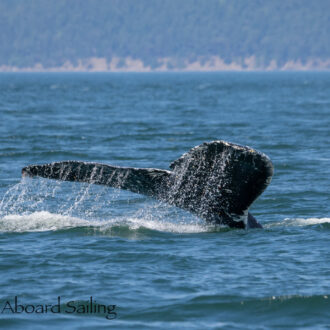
62	243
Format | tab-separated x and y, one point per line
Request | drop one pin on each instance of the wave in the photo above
46	221
218	311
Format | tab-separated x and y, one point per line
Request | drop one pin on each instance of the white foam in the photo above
46	221
167	226
297	222
306	222
39	221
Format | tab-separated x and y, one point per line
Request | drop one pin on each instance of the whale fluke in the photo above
217	181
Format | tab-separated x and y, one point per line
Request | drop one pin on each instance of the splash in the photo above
71	199
36	205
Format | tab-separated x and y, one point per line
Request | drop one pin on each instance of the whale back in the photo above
219	180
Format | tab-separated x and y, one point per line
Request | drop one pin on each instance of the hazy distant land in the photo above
167	65
167	35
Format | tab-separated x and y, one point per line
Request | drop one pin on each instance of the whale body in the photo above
217	181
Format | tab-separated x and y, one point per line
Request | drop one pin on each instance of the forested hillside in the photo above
52	32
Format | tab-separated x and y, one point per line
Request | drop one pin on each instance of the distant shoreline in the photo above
164	72
213	64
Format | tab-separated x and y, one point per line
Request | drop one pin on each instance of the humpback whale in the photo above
217	181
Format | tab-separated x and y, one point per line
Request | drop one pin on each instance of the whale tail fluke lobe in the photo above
138	180
220	180
217	181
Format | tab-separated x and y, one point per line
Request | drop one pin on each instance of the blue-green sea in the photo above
150	265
